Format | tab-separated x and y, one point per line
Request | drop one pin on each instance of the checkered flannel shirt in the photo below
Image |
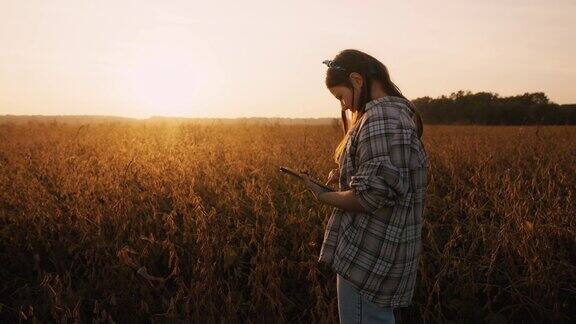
386	166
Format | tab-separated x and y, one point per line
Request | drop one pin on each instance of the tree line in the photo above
491	109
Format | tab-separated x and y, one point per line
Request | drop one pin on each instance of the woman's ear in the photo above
356	80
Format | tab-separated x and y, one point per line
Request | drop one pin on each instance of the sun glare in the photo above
162	88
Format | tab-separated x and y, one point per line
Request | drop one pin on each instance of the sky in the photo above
264	58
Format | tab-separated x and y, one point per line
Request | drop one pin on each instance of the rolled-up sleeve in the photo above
383	151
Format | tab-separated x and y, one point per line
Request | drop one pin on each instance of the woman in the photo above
373	237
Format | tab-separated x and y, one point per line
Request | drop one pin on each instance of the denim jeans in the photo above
353	308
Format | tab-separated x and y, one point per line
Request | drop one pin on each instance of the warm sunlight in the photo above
161	86
190	161
257	59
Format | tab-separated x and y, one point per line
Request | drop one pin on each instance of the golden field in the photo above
164	222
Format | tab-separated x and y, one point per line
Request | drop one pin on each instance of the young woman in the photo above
373	237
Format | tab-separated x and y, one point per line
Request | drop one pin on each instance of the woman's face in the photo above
344	95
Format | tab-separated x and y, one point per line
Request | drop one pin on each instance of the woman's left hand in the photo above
316	189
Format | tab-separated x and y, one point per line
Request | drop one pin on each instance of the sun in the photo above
161	87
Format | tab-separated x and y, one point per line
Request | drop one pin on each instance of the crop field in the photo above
163	222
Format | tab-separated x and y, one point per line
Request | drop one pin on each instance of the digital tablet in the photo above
298	175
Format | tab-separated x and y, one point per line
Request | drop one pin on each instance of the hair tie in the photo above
333	65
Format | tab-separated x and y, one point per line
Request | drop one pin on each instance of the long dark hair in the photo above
370	69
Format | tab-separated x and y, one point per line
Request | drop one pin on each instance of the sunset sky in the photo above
263	58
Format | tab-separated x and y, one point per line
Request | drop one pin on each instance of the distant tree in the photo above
491	109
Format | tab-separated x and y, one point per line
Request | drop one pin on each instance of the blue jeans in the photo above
353	308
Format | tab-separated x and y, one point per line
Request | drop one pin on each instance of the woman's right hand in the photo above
333	176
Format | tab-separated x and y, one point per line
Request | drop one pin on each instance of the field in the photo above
161	222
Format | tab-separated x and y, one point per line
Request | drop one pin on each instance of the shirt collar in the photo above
385	99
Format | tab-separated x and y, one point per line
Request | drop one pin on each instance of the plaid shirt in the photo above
386	166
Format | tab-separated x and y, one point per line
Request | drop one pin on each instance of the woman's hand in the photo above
316	189
333	176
